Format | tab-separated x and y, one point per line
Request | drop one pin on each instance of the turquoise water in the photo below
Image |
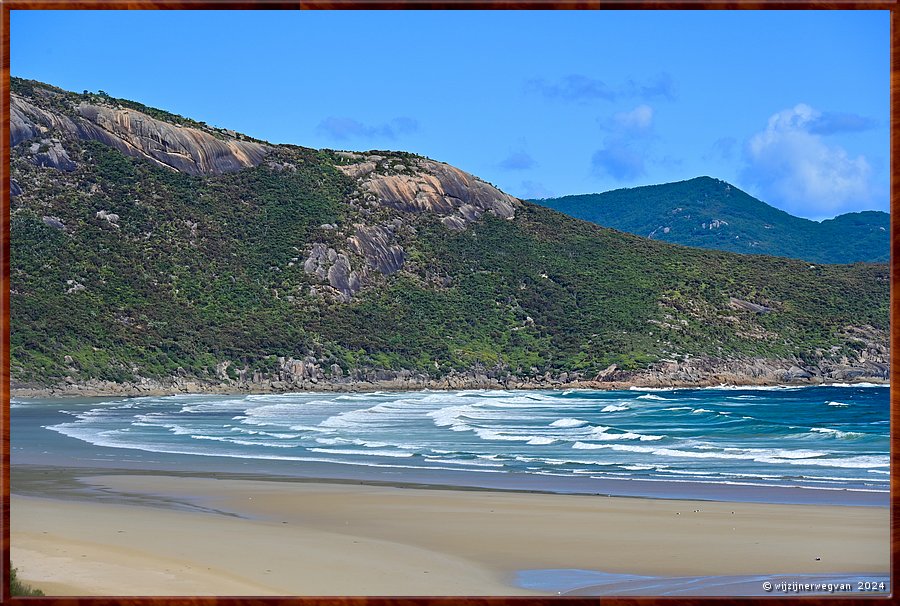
828	438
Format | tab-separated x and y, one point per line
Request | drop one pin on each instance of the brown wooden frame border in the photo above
7	5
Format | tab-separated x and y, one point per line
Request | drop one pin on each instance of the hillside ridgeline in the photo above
710	213
152	254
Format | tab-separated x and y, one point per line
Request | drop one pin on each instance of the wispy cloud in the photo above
661	87
618	160
533	190
624	150
574	87
829	123
792	164
342	128
580	88
638	120
723	148
518	161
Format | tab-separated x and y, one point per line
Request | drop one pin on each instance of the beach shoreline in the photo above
154	388
196	536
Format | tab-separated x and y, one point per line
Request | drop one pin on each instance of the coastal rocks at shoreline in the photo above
309	375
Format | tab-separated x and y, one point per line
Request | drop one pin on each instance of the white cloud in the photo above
626	146
794	167
638	119
343	128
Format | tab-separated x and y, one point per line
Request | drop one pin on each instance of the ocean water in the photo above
827	438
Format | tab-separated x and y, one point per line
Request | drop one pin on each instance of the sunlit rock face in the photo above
136	134
457	197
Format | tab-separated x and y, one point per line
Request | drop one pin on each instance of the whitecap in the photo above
490	434
856	384
628	435
567	422
755	387
349	451
613	408
540	441
837	433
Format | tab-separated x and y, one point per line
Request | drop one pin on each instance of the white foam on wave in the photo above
280	436
333	441
700	410
279	397
283	411
568	422
218	407
673	408
765	455
650	396
836	404
540	441
628	435
836	433
361	397
864	384
313	428
91	437
491	434
727	387
566	461
240	442
613	408
449	416
368	453
636	388
857	462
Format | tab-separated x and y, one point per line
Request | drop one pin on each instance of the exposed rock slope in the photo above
135	134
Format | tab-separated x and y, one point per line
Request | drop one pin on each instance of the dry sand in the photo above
304	538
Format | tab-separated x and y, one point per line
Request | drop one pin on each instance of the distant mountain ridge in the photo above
710	213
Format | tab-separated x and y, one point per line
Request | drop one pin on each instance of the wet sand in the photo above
171	535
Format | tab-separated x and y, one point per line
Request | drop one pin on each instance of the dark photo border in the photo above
7	5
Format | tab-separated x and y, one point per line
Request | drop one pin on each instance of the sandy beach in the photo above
247	537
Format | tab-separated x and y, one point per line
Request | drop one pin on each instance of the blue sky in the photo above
791	106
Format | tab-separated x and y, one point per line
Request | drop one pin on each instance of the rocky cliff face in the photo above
458	198
399	188
133	133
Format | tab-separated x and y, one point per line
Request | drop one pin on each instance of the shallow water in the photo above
826	438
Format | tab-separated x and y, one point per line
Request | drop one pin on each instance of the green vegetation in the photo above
18	588
710	213
185	272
